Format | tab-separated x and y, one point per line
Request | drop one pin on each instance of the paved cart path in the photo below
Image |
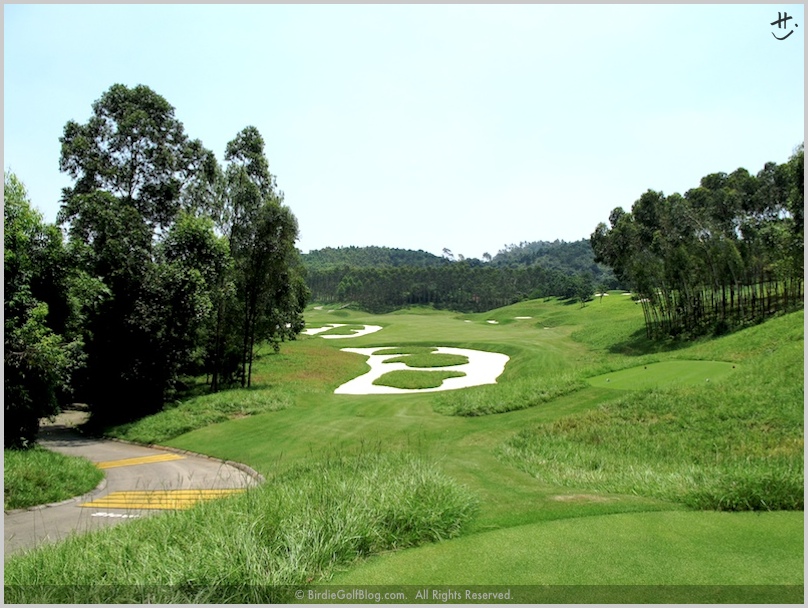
139	481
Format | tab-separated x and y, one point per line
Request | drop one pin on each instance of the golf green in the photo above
666	373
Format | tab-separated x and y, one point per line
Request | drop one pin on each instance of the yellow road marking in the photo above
157	499
128	462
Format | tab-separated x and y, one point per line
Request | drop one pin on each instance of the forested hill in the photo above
370	257
381	278
573	257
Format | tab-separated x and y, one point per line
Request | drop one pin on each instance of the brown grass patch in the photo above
580	498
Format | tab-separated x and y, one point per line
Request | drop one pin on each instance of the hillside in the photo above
369	257
575	257
381	279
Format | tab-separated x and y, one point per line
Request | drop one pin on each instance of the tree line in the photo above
727	253
462	286
380	279
169	264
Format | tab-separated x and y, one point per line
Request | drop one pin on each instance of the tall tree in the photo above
40	349
726	253
261	231
134	170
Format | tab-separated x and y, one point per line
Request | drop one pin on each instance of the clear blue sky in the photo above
417	126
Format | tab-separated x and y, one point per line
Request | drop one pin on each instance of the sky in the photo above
460	127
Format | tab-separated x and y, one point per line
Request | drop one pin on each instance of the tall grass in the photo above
517	394
256	547
37	476
733	445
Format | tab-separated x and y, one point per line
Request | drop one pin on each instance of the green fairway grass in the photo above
666	373
588	474
673	548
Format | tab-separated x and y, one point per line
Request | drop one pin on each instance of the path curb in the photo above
236	465
92	493
103	483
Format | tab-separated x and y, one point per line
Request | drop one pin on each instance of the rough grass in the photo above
199	412
257	547
37	476
733	445
415	379
341	331
517	394
410	350
427	360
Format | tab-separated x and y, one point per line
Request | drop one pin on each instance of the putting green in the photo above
655	375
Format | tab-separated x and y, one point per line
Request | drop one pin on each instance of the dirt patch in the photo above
580	498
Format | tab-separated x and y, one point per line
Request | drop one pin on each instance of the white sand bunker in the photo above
355	333
483	368
522	318
318	330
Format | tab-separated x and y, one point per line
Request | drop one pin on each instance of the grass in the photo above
199	412
708	558
255	547
430	360
277	377
607	548
666	373
735	444
37	476
636	459
415	379
516	395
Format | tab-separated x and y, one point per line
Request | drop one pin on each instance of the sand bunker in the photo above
483	368
318	330
355	333
522	318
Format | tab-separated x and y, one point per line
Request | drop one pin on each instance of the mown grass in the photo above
736	444
627	550
552	356
37	476
199	412
277	378
257	547
415	379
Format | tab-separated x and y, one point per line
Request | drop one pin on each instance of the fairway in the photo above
557	372
666	373
594	457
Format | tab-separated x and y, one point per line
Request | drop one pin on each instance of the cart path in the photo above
139	481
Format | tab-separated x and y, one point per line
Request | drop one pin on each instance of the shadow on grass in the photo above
639	343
